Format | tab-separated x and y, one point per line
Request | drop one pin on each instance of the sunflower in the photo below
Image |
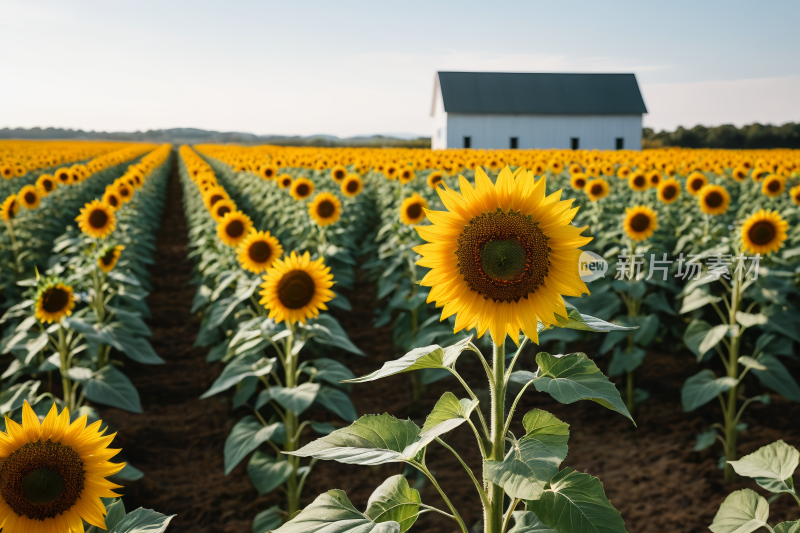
111	198
654	178
54	300
108	257
503	255
739	174
97	219
623	172
6	171
258	251
296	289
63	176
714	199
325	209
640	222
351	186
695	182
578	181
764	232
669	190
234	228
759	174
795	194
390	172
638	181
213	195
338	173
596	189
45	184
29	197
772	186
284	181
9	208
53	473
222	208
268	172
124	192
412	210
435	179
406	175
301	189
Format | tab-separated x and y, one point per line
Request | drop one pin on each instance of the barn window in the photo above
620	143
467	142
514	143
574	141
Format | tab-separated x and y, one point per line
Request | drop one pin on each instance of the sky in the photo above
350	68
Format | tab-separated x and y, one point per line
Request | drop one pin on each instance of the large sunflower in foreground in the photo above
54	300
234	228
296	288
325	209
764	232
503	255
669	190
53	473
640	222
258	251
97	219
714	199
108	257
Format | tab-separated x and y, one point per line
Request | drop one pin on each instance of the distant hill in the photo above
197	136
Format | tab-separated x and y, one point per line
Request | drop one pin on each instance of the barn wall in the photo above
542	131
439	134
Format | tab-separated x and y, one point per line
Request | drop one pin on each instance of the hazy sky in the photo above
348	67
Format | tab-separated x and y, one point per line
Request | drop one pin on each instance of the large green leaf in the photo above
143	521
528	522
448	413
295	399
699	338
266	473
777	377
533	460
575	320
267	520
109	386
115	513
328	370
370	440
576	503
394	501
702	388
246	436
788	527
12	398
337	401
625	360
428	357
696	299
772	466
743	511
238	369
327	330
575	377
332	512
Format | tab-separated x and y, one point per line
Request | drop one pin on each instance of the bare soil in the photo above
650	472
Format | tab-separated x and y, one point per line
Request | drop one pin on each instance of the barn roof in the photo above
538	93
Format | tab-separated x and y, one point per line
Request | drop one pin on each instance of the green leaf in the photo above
648	326
448	413
428	357
749	362
699	338
337	402
109	386
129	474
658	302
15	396
777	377
295	399
328	370
371	440
267	473
772	466
114	515
702	388
743	511
268	520
528	522
788	527
143	521
394	501
533	460
246	436
704	440
332	512
749	320
327	330
238	369
576	503
697	299
625	361
575	320
575	377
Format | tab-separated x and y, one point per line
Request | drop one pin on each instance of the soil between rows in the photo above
650	473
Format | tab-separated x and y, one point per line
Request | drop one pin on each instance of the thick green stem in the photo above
731	434
66	385
292	434
100	312
493	515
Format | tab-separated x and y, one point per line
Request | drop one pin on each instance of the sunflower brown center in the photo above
215	198
713	199
112	200
55	300
259	252
503	256
774	186
639	181
325	209
234	228
414	211
296	289
223	210
302	190
696	184
640	222
42	480
338	175
48	185
762	232
123	191
580	182
63	177
108	258
597	189
30	197
98	218
669	192
287	182
352	186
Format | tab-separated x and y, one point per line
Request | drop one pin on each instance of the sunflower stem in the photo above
291	424
731	433
493	515
66	385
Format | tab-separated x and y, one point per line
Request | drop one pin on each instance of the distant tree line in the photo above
726	136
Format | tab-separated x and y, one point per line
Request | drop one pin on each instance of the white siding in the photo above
439	135
488	131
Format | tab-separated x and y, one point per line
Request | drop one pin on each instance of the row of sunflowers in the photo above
74	310
699	251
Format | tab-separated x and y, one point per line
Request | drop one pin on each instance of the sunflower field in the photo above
233	317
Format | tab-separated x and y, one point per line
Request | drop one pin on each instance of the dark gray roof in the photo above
546	94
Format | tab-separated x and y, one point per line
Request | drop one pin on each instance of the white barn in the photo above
498	110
